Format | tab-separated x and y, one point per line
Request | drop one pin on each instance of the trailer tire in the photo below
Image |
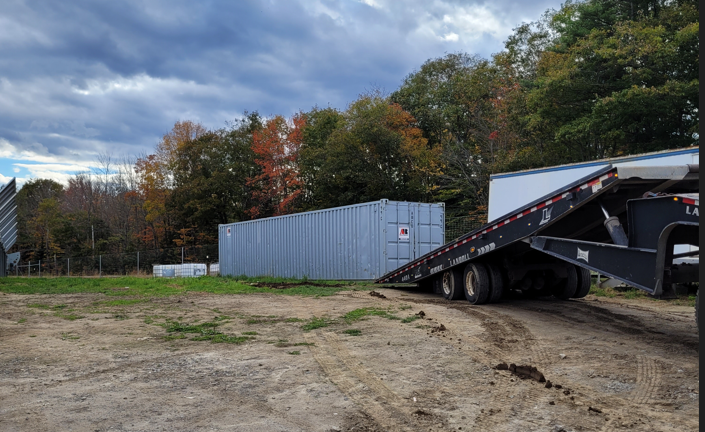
496	283
568	286
476	283
584	282
452	285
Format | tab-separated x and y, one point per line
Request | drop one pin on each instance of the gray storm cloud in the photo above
84	77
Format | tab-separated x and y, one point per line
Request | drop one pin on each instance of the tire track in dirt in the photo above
491	347
648	375
204	419
648	380
503	332
373	397
580	313
498	327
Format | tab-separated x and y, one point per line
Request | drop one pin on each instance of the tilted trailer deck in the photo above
622	222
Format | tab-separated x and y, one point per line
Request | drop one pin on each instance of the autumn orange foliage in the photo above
276	147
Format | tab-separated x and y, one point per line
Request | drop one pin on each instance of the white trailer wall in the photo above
509	191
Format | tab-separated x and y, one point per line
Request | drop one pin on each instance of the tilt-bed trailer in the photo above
619	221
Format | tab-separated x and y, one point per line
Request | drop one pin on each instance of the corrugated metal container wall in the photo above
357	242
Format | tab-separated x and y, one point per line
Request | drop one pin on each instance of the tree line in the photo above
594	79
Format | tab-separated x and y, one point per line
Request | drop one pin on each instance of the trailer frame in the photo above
613	197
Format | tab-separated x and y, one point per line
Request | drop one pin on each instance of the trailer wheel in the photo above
568	286
584	282
496	283
452	285
477	283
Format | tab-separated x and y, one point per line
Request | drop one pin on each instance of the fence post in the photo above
100	265
40	268
138	263
182	256
68	267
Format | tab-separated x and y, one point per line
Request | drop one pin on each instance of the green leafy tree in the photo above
38	216
210	179
375	151
621	78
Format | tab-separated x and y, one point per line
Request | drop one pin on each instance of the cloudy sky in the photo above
83	77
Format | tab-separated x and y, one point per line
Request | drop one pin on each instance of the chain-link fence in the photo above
142	262
457	226
122	264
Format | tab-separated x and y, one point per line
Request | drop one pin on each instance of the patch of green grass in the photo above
602	292
252	321
59	307
404	307
353	332
203	328
358	314
315	323
294	352
32	335
122	302
289	320
21	320
687	300
633	293
304	344
70	316
250	333
148	320
69	336
161	287
205	332
411	318
222	338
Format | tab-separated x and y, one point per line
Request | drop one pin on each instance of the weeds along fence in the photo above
121	264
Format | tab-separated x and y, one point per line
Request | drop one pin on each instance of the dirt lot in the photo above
75	362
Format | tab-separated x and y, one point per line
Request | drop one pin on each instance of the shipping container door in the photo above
421	230
398	233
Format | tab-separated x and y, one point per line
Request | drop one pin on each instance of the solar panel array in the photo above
8	222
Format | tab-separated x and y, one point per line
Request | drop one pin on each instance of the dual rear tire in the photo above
576	285
478	283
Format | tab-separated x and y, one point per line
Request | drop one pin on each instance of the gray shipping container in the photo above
356	242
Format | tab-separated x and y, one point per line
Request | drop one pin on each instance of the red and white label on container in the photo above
403	233
227	231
